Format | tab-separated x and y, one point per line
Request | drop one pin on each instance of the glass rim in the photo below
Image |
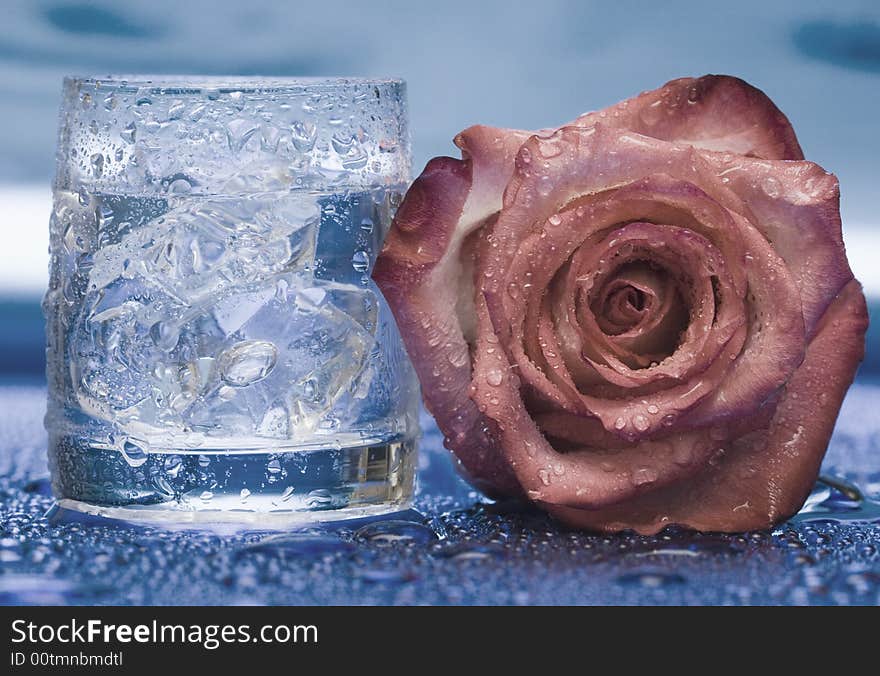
195	83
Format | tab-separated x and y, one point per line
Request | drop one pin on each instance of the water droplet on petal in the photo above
644	475
771	186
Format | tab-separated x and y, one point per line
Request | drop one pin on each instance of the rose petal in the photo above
491	151
714	112
795	205
420	275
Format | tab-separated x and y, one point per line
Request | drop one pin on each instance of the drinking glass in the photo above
217	351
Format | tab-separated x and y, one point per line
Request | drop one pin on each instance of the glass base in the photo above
273	488
237	519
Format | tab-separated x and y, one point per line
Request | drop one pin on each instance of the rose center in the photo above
640	301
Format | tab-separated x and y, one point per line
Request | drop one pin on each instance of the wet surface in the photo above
454	547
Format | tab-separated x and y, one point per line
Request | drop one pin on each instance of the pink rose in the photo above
643	318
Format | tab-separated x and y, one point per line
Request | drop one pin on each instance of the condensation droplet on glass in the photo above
128	133
360	261
97	162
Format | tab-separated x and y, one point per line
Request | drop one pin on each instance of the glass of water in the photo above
217	351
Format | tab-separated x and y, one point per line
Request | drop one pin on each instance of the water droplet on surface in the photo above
396	532
274	466
34	590
641	423
300	544
837	500
206	496
651	579
244	495
385	575
472	551
247	362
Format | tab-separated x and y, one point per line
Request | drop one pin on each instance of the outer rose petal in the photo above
796	206
419	272
491	151
713	112
766	473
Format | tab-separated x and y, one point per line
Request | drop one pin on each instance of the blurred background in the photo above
495	62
